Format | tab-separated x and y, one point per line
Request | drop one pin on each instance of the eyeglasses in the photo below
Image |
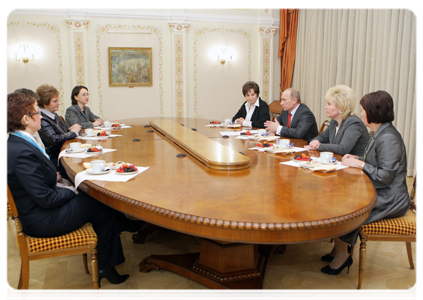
36	113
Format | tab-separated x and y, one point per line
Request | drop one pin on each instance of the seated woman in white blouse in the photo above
253	112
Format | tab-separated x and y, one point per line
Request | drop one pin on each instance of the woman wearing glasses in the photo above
385	162
46	210
79	112
53	131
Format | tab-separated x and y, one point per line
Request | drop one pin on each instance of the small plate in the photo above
76	151
90	171
126	173
91	135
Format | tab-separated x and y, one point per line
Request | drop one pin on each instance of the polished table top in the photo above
267	203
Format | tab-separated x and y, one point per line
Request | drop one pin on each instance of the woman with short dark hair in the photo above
47	210
79	113
254	111
53	131
385	162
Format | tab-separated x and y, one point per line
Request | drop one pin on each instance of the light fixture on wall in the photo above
224	56
24	55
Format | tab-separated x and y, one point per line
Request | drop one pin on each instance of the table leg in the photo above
218	265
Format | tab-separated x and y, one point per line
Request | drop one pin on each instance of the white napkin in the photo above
235	133
83	154
111	176
97	138
292	163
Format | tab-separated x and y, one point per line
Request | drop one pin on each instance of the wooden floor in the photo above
386	267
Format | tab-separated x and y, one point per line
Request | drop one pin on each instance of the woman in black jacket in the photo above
46	210
253	112
53	131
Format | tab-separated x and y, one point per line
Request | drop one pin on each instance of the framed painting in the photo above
130	66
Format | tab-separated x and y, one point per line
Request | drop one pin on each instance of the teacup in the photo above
107	124
261	132
75	146
228	121
326	157
98	165
284	143
89	131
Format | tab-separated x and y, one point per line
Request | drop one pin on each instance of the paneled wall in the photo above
188	81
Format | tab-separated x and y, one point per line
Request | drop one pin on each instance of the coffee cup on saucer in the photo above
75	146
284	143
98	166
326	157
107	124
261	132
89	131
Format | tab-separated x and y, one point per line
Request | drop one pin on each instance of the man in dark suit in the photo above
296	120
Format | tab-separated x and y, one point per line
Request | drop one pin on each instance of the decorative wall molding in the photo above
179	27
267	31
198	32
78	57
179	62
102	29
77	24
146	14
267	38
53	28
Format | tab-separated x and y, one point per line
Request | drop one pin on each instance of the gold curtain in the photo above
287	45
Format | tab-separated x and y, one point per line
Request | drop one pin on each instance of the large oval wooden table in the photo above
240	214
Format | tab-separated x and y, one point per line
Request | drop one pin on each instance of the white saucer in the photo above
76	151
90	171
91	135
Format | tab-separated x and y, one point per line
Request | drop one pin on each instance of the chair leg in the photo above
84	258
362	259
94	268
410	254
24	277
20	280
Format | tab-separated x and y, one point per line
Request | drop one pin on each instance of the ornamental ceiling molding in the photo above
179	27
199	32
77	24
102	29
267	31
53	28
145	14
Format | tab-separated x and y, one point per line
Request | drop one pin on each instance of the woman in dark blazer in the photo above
253	112
346	133
46	210
385	162
79	113
53	131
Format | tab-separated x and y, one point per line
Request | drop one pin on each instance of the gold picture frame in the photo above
130	67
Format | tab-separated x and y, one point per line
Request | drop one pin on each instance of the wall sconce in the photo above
224	56
24	55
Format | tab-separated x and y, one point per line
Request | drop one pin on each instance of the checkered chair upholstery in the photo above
401	229
80	241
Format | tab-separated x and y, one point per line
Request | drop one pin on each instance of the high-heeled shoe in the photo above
329	258
330	271
111	275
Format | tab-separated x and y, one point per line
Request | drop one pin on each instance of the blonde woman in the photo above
346	132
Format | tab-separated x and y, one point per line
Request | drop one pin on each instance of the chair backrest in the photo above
63	119
324	125
275	108
413	194
20	235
